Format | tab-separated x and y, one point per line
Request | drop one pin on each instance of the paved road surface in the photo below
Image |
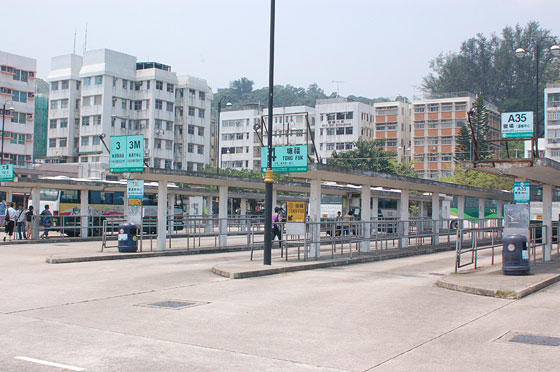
382	316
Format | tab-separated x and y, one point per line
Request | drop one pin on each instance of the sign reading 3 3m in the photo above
127	154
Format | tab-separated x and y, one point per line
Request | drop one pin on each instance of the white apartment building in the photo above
341	122
238	142
436	123
108	92
392	124
17	93
551	122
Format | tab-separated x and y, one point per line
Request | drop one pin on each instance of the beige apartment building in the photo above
436	123
392	123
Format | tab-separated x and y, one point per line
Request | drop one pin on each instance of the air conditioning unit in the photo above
433	148
147	153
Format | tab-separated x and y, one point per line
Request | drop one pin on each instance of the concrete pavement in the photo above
378	316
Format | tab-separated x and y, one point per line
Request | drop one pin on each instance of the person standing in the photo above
46	221
3	213
348	217
29	222
20	223
10	221
338	220
276	227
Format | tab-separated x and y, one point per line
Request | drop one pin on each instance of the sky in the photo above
359	47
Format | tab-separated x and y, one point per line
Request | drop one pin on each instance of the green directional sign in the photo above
517	124
7	172
285	159
127	154
522	192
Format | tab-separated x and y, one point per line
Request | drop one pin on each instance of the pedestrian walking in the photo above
276	227
10	221
46	221
29	222
3	208
20	223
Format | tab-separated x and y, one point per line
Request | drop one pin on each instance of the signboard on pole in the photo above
522	192
135	192
285	159
7	172
296	211
127	154
517	124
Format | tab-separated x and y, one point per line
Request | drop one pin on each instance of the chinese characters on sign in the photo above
522	192
517	124
135	192
7	173
296	211
285	158
127	154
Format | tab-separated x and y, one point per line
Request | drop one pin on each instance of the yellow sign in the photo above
296	211
134	201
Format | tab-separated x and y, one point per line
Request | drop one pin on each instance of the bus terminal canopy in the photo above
348	176
543	171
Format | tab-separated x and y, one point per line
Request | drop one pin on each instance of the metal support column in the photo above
315	215
547	220
404	216
84	212
435	217
366	217
161	215
223	215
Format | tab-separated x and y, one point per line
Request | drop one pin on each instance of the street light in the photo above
218	151
3	122
521	52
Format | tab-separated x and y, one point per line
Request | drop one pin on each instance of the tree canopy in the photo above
369	155
489	66
479	179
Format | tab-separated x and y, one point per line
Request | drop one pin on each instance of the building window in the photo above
157	143
202	96
95	140
85	141
52	142
97	100
54	86
159	85
63	123
64	84
52	124
330	131
201	149
190	129
191	111
157	124
85	121
159	104
98	80
62	142
349	130
170	88
190	147
330	146
200	113
87	81
124	84
54	105
169	106
64	103
169	125
201	131
86	101
97	120
138	105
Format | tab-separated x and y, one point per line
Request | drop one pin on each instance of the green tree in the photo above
242	86
463	144
489	65
369	155
479	179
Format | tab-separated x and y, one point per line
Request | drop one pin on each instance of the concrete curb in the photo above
509	294
324	264
125	256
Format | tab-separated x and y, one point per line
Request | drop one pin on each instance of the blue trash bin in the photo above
515	255
128	239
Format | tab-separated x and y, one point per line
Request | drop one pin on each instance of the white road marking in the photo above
39	361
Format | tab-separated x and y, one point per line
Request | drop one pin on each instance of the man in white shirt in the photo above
20	223
10	221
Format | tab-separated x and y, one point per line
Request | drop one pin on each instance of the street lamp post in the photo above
269	175
218	151
3	122
521	52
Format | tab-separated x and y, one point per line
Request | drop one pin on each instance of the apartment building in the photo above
109	93
436	123
551	122
340	123
239	140
392	124
17	95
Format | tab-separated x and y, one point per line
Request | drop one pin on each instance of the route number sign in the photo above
127	154
517	124
285	159
521	192
7	172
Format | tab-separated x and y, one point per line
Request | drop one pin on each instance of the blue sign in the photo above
285	159
522	192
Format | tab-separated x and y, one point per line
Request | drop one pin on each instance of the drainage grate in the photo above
173	304
536	340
